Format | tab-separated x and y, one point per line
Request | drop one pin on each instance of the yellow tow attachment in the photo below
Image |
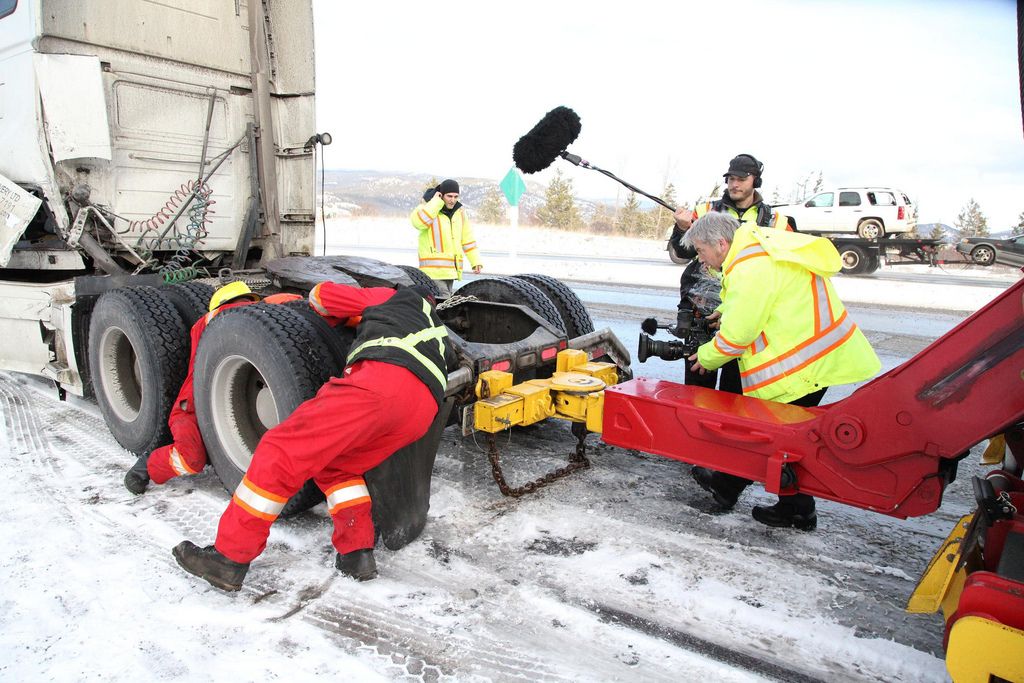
575	392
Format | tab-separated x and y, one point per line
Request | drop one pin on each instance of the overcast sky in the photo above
922	96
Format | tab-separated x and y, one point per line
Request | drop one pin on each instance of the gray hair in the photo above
710	228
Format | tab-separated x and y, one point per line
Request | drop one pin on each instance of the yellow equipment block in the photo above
537	403
1002	647
574	360
595	412
942	583
568	359
492	382
498	413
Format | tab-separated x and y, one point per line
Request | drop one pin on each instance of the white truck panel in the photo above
17	207
73	106
35	331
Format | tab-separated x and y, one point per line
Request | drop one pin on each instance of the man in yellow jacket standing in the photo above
782	319
445	236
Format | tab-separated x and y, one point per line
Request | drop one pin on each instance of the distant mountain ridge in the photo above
398	193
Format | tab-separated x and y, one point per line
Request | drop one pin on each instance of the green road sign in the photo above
513	186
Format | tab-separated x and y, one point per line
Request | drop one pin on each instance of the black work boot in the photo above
137	478
786	513
722	491
207	563
359	564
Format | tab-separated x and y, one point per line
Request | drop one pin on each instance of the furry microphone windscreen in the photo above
536	150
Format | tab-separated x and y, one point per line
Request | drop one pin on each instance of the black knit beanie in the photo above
448	186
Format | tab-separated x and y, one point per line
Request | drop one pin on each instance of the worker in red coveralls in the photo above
387	397
187	455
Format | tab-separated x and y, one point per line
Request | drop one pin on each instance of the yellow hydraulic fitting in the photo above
574	360
492	382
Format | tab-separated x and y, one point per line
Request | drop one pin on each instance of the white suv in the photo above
869	212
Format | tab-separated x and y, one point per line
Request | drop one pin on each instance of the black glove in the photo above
429	194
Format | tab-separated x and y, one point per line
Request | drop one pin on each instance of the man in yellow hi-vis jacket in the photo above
445	235
782	319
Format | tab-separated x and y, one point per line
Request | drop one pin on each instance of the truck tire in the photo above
507	290
679	260
856	259
983	255
575	317
871	228
138	358
256	364
338	339
190	299
420	278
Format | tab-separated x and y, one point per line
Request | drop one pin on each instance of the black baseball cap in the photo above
742	166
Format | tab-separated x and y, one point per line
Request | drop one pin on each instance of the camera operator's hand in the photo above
714	320
683	218
697	367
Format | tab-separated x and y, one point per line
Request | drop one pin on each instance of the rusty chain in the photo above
577	461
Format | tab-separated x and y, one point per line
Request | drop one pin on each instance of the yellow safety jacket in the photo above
443	240
783	320
758	212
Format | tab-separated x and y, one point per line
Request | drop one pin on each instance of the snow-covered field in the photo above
623	572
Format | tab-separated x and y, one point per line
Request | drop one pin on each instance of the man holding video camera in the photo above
782	321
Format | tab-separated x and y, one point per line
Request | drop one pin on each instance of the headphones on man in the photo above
760	168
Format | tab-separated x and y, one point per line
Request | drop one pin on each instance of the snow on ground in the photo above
541	588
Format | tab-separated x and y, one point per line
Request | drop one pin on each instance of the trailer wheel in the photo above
871	228
575	317
420	278
855	259
138	357
256	364
507	290
191	299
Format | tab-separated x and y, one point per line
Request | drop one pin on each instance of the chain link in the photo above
577	461
455	300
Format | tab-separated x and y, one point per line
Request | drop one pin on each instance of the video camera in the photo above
691	327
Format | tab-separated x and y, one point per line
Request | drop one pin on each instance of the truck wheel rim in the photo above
850	259
120	374
983	255
243	408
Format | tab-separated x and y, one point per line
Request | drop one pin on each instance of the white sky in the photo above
922	96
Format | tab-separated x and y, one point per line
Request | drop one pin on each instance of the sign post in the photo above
513	187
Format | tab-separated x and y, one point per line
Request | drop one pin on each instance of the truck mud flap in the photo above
400	486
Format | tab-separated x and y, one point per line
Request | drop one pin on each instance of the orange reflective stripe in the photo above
822	304
753	251
799	357
760	344
435	233
347	494
314	300
258	502
281	298
727	347
178	464
424	217
468	247
437	261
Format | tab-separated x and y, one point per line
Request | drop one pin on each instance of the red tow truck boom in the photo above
890	447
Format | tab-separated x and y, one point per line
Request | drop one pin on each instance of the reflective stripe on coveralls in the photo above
178	464
347	494
258	502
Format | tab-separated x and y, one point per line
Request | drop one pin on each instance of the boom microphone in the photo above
548	140
538	149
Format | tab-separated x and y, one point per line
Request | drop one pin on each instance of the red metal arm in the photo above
884	448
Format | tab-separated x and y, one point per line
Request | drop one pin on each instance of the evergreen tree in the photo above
602	221
1019	228
937	233
559	210
492	208
971	222
629	219
660	219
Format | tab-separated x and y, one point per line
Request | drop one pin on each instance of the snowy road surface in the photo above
622	572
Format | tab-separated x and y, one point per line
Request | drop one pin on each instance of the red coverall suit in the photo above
187	455
353	424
